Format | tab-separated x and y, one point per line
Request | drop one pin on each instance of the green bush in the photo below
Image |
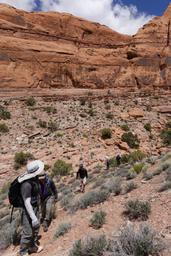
21	159
125	127
147	126
4	128
83	101
50	110
98	219
61	168
168	124
4	114
52	126
42	124
166	136
109	115
133	157
138	167
91	246
131	139
136	209
106	133
62	229
31	102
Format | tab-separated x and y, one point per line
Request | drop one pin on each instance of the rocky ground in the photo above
73	131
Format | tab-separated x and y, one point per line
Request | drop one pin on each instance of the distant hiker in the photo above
30	194
107	162
49	197
83	175
118	159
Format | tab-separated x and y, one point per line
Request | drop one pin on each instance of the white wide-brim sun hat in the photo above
34	168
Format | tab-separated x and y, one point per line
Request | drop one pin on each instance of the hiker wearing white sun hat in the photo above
30	193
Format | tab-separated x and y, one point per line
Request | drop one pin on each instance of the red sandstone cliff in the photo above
53	50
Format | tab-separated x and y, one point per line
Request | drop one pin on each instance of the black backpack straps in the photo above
11	213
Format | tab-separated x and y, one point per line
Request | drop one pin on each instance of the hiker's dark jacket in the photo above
30	188
48	188
82	173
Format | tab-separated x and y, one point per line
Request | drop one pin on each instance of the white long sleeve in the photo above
29	208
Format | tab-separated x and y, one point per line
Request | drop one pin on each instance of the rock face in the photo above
53	50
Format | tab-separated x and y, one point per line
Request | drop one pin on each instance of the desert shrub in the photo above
91	246
125	127
52	126
82	101
163	166
47	167
130	186
166	157
42	124
8	232
166	136
89	199
138	167
50	110
66	201
136	209
113	185
147	126
107	107
131	139
137	242
61	168
3	128
131	174
62	229
106	133
133	157
98	219
136	155
91	112
168	174
30	101
168	124
112	162
165	186
98	182
21	159
4	188
4	114
109	115
130	241
147	176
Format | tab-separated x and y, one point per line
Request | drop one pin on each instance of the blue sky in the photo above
124	16
154	7
147	6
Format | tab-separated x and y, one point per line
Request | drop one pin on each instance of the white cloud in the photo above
27	5
122	18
